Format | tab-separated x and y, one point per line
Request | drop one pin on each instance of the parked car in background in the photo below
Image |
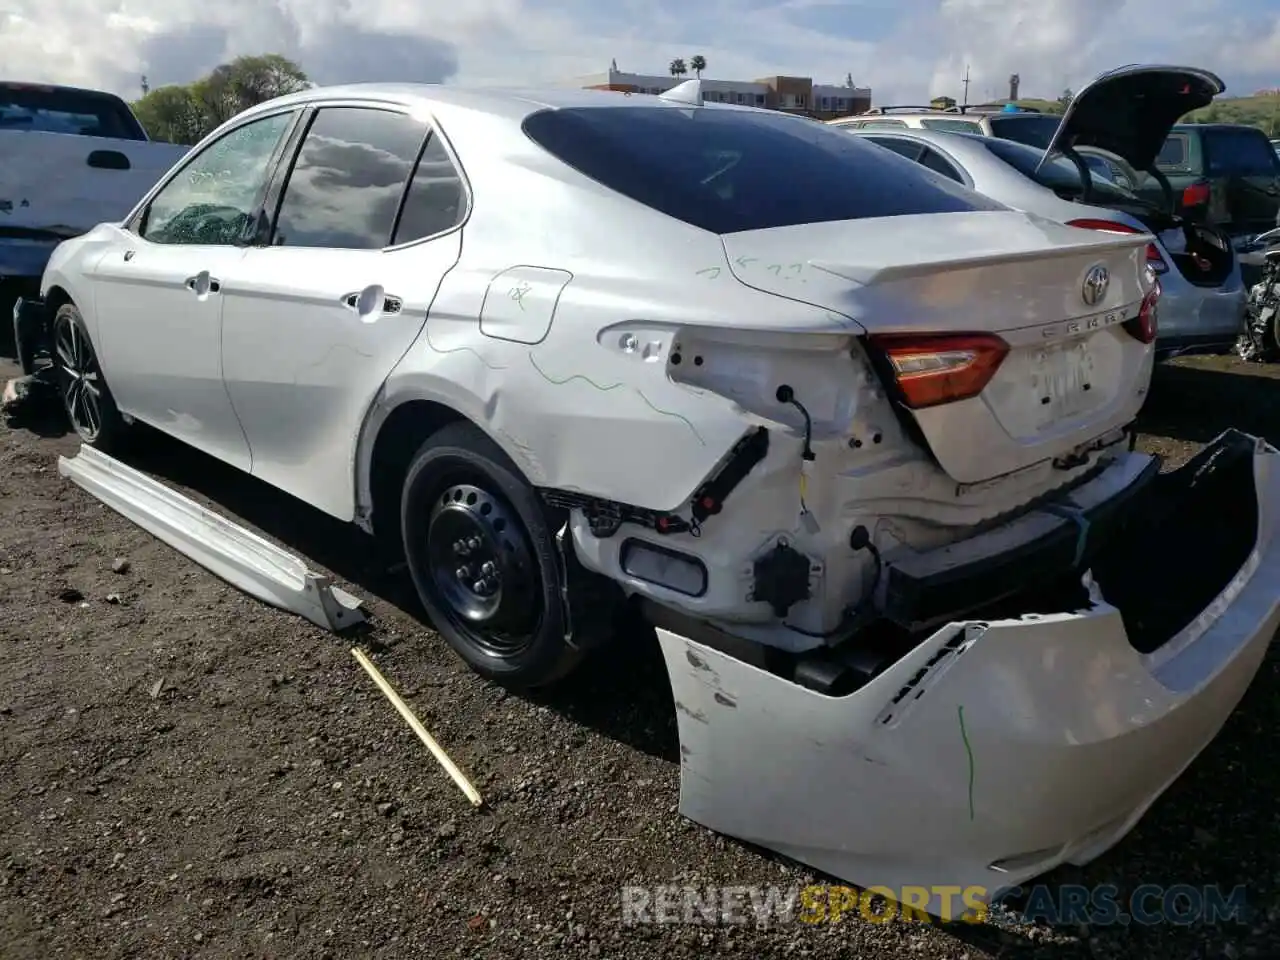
1220	174
69	159
1203	302
1024	125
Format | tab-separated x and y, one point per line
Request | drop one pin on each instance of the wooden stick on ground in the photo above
458	777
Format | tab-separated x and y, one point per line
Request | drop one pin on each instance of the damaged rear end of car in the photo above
936	623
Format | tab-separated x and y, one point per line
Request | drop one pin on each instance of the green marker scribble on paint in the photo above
669	413
968	749
569	379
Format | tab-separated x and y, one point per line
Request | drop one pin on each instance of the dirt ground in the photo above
185	772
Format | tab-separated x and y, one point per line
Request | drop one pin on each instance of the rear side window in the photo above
883	125
61	110
1059	174
1173	153
907	148
346	184
951	126
727	171
932	160
1033	130
1240	153
435	200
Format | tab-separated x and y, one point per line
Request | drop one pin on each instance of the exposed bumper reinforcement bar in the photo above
243	559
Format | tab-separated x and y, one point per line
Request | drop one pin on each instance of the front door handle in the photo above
202	284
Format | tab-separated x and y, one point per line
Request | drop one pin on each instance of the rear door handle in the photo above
390	304
202	284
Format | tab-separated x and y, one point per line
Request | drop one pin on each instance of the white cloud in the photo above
903	49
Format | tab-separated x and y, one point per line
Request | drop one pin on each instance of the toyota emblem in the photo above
1095	285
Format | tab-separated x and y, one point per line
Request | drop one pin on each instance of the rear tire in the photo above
87	399
481	550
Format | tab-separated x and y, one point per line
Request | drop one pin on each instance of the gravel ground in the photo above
185	772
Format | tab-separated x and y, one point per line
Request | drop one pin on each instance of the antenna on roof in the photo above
689	92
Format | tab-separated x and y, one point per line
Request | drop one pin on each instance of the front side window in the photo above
215	197
346	184
727	171
883	124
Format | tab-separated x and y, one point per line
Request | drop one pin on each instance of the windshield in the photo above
60	110
733	170
1036	130
1059	174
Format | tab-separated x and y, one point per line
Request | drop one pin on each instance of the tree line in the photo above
186	113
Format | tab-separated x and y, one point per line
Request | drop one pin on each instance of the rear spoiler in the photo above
866	274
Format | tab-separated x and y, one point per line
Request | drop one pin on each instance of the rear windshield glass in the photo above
1036	130
51	110
1242	153
1060	174
728	170
955	126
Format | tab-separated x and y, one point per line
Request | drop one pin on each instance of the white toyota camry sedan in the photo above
856	440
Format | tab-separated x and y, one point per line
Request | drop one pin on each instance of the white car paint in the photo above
639	351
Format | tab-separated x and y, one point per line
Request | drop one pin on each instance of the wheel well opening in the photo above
56	300
399	439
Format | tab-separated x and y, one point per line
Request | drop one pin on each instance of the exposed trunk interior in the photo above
1208	259
1161	560
1179	547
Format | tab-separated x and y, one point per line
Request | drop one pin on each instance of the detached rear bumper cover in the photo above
989	754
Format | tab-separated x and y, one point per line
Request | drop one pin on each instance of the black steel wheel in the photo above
481	550
88	402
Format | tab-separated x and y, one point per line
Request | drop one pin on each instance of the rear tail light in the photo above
1143	327
1154	260
1195	195
930	369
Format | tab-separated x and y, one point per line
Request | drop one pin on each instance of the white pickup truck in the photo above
69	160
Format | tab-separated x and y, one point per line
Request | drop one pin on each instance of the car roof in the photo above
510	103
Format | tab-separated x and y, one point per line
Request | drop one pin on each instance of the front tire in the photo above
87	399
480	547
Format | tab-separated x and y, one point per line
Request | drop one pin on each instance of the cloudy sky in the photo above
903	49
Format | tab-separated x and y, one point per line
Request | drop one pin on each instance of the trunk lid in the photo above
1071	372
1130	111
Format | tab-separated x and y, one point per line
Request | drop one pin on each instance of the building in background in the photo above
792	94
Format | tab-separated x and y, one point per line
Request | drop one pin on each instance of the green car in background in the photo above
1223	174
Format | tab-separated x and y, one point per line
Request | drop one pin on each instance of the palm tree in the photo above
678	69
697	63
